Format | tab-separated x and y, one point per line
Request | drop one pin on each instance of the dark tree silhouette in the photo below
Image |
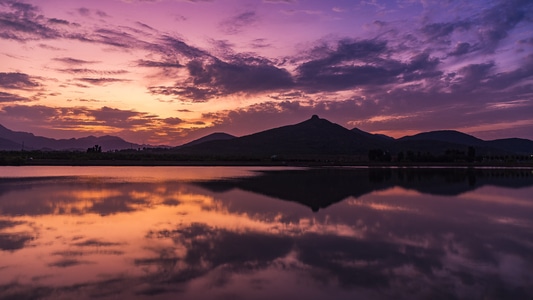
471	156
378	155
95	149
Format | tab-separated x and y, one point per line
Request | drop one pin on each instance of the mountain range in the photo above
318	188
15	141
315	136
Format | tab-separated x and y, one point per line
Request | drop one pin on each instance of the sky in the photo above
165	72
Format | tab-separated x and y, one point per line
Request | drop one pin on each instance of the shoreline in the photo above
254	163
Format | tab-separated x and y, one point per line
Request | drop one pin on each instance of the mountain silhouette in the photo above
14	140
320	137
450	139
319	188
315	136
516	145
380	138
449	136
6	144
217	136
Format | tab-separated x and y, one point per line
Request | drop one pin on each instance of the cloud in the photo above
73	61
441	32
260	43
238	23
101	14
186	93
86	12
195	1
79	117
158	64
361	63
48	47
528	41
497	21
8	97
461	49
173	121
280	1
518	76
83	11
39	113
22	21
170	46
101	81
92	71
109	37
58	21
217	78
485	30
19	81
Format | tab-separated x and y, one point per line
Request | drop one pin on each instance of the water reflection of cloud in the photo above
379	206
158	238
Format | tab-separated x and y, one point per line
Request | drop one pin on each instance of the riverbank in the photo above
295	163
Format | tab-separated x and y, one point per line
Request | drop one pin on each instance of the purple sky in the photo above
168	71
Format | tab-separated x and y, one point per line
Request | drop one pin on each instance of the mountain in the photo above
448	136
13	140
319	188
315	136
9	145
516	145
435	141
217	136
378	137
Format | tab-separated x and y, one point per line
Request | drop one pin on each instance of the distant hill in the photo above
449	136
516	145
318	136
319	188
9	145
13	140
315	136
377	137
312	138
433	141
217	136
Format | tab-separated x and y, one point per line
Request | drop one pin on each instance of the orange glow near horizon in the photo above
175	71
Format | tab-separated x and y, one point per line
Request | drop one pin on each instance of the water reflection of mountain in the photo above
79	195
172	239
319	188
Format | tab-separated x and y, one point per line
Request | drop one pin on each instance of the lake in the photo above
265	233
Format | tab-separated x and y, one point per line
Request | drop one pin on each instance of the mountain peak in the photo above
315	117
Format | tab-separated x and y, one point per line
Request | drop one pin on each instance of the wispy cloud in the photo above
238	23
8	98
92	71
73	61
217	78
101	81
22	21
19	81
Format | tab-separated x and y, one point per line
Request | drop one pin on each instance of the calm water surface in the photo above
265	233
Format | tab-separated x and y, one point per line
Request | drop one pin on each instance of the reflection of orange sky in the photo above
396	191
134	174
123	235
377	204
132	228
